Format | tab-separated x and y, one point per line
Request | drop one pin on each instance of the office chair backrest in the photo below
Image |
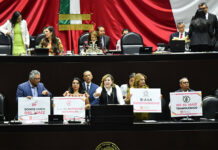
1	104
210	106
82	39
39	37
5	44
131	43
32	41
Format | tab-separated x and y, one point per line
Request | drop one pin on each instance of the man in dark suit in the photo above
105	40
212	19
90	87
184	85
181	32
33	87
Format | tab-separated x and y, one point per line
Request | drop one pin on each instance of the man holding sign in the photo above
33	87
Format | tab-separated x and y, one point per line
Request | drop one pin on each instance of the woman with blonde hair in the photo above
139	82
109	92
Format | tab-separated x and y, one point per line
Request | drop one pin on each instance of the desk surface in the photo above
118	58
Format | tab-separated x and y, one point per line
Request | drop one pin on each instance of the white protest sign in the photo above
186	104
146	100
73	108
35	109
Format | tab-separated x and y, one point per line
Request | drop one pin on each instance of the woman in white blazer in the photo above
16	27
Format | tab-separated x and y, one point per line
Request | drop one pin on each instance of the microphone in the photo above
14	121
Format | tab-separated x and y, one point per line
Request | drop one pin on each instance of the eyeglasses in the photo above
36	78
185	82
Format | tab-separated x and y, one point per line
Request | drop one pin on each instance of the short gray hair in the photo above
180	81
33	73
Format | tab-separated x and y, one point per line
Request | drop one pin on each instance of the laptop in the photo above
41	51
177	46
145	50
111	115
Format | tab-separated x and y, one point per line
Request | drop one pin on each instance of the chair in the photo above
39	37
1	104
82	39
210	107
131	43
5	44
32	41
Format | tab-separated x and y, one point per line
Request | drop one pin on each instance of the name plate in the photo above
35	109
146	100
186	104
73	108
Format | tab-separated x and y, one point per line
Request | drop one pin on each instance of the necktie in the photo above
181	36
87	88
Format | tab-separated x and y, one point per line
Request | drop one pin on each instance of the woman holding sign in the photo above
77	90
109	92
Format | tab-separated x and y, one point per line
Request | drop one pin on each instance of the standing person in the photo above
105	40
200	32
126	87
212	19
109	92
118	45
76	89
16	27
90	87
52	42
33	87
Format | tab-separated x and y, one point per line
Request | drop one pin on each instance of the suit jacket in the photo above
180	90
92	89
175	34
198	37
24	90
106	43
212	19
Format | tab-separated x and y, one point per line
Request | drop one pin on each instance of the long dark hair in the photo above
54	39
81	89
14	17
199	21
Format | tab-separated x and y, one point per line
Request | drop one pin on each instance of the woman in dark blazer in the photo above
200	32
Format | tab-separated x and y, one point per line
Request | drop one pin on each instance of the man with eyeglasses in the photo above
184	85
212	19
33	87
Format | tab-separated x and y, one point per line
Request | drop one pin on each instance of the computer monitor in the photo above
41	51
177	46
145	50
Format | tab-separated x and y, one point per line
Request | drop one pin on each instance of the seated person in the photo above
33	87
105	40
184	85
77	90
52	42
126	87
118	45
109	92
93	39
180	34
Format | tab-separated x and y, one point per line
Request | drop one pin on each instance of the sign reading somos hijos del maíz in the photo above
186	104
35	109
